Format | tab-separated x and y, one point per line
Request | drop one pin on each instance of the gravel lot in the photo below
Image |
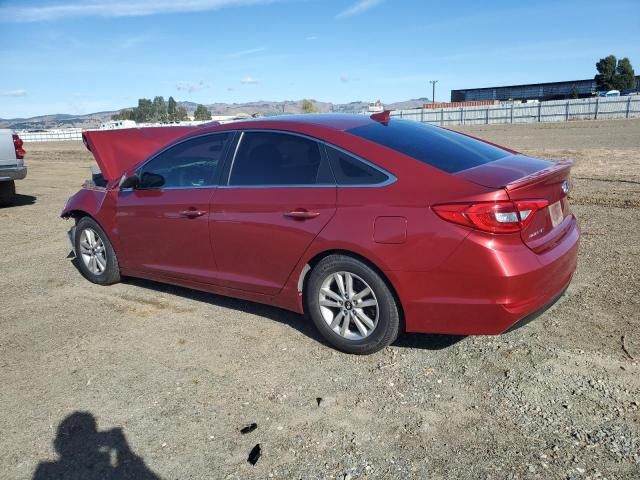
170	375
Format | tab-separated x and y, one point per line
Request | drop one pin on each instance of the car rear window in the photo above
440	148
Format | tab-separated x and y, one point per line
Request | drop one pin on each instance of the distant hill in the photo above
265	108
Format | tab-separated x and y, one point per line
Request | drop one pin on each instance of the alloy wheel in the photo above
349	305
92	251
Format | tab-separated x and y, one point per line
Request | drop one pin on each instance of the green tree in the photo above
308	106
159	109
625	76
172	110
181	114
144	111
614	74
202	113
606	73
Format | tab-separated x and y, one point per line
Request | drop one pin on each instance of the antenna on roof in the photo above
382	117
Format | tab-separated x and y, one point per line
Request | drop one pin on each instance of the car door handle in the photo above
192	213
301	214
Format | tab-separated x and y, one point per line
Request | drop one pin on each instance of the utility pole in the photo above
433	90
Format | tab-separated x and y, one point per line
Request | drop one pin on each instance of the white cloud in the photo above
249	80
359	7
191	86
311	38
116	8
344	79
244	53
14	93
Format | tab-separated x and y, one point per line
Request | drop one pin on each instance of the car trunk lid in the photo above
526	178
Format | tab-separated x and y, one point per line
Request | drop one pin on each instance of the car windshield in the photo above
440	148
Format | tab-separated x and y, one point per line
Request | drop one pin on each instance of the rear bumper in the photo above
12	173
488	286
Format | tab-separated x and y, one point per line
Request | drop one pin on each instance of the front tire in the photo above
95	257
351	305
7	193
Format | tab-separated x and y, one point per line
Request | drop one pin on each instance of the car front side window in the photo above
190	164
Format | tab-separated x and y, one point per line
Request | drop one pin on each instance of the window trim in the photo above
323	144
218	174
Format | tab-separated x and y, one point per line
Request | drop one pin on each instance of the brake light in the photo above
493	217
17	145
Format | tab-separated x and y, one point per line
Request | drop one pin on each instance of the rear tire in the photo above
351	305
95	257
7	193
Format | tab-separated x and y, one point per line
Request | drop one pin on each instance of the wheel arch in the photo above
313	261
78	214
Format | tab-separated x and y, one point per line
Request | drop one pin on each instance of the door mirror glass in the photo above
151	180
130	182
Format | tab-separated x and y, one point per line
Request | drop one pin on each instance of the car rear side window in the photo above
273	158
189	164
348	170
440	148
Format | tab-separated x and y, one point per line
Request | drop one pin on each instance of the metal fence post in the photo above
441	116
511	112
461	115
628	106
422	115
400	114
596	115
566	113
486	116
539	111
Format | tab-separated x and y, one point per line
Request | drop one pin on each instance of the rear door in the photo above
164	223
279	195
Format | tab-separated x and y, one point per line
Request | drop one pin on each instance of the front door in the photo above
164	222
280	194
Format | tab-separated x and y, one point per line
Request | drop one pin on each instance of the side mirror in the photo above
130	182
151	180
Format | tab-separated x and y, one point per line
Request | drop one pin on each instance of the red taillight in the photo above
494	217
17	144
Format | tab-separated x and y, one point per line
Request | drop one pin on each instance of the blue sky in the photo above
73	56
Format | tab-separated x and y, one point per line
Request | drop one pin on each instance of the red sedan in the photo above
369	225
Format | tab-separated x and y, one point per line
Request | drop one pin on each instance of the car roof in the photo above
334	121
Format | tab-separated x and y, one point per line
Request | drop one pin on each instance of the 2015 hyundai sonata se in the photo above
369	225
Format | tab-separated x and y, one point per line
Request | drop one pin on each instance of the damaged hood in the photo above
117	151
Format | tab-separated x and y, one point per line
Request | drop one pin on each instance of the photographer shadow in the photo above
89	454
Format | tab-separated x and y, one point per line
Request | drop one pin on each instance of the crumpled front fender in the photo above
98	203
87	201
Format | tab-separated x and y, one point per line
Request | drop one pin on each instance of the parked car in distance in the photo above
371	226
12	166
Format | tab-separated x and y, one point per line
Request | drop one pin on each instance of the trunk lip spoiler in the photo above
532	178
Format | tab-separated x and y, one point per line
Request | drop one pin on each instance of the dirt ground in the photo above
170	375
